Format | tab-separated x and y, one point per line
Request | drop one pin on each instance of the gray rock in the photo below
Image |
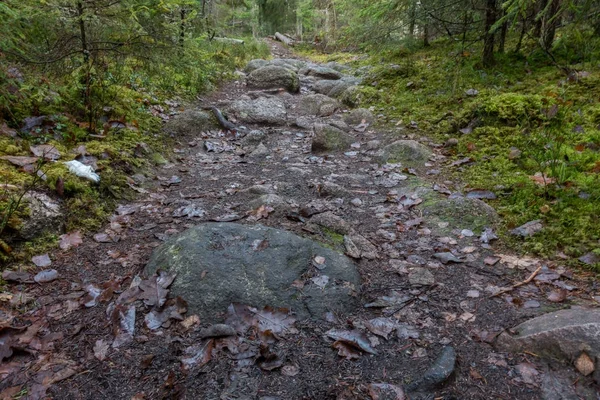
323	73
338	123
253	137
273	77
408	152
329	138
260	151
253	65
318	104
359	115
337	66
461	213
269	199
557	387
45	216
217	264
528	229
420	277
357	246
280	62
350	96
191	122
290	62
341	85
330	189
560	334
437	374
304	122
324	86
332	222
264	110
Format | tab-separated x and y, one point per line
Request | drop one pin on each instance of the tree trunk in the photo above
182	27
284	39
488	40
503	32
426	35
521	36
551	22
412	14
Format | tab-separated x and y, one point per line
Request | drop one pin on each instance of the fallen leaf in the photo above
46	151
529	374
42	260
386	391
355	338
123	320
542	179
584	364
20	161
557	296
269	360
69	240
46	276
155	289
346	350
101	349
190	321
290	370
381	326
198	355
17	276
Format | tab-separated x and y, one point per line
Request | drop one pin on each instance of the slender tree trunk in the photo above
426	34
521	36
412	15
488	40
182	27
551	22
84	46
503	32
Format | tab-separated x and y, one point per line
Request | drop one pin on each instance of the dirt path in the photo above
450	303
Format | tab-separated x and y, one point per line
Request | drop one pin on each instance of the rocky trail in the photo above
310	253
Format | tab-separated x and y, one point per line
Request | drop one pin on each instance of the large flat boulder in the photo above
264	110
561	334
222	263
253	65
274	77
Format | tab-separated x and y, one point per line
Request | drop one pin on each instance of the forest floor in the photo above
66	350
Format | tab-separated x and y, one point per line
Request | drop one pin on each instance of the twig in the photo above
516	285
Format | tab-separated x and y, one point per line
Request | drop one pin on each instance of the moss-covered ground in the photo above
531	129
126	138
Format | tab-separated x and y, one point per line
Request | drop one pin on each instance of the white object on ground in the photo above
82	170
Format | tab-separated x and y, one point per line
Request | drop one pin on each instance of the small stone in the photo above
531	304
473	294
452	142
421	277
528	229
356	202
472	92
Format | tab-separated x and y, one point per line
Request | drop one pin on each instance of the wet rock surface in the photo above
218	264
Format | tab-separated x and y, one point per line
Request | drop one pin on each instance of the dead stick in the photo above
525	282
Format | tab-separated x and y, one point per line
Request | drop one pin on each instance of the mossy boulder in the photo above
273	77
191	122
218	264
409	153
253	65
359	115
460	213
329	138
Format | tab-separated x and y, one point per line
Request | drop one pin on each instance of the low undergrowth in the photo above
121	131
531	130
